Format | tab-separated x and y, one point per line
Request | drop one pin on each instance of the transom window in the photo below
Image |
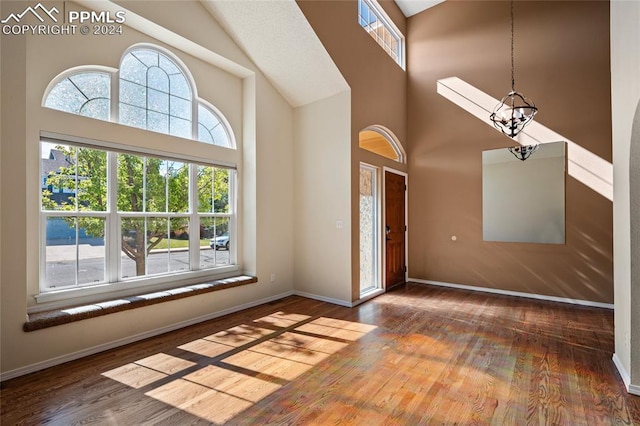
377	23
154	93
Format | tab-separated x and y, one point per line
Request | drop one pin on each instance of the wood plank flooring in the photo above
418	355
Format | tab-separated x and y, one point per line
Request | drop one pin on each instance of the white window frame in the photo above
114	115
114	285
387	22
113	281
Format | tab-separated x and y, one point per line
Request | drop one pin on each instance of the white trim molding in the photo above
624	375
626	378
516	293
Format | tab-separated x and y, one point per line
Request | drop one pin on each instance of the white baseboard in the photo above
516	293
324	299
624	375
130	339
626	378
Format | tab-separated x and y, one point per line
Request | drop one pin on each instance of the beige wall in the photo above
625	93
261	119
323	199
378	91
562	63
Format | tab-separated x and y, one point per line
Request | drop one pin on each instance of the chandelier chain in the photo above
513	68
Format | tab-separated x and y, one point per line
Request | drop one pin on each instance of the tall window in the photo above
138	222
369	276
115	215
377	23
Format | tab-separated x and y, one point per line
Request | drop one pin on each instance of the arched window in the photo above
382	141
156	93
157	219
211	128
82	93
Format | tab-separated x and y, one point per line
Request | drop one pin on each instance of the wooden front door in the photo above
395	228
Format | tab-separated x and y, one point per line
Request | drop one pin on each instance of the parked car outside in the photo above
220	242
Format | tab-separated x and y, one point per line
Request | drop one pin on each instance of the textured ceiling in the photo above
279	40
411	7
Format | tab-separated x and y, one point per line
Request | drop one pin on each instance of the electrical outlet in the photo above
273	277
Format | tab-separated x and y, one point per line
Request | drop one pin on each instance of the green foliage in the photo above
213	190
144	184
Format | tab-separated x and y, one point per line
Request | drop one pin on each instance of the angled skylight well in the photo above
381	28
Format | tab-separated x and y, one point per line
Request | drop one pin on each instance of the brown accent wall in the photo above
378	84
562	63
378	89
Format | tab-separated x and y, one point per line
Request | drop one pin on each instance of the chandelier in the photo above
514	111
523	152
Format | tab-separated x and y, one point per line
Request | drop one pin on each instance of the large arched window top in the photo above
380	140
156	92
82	91
158	70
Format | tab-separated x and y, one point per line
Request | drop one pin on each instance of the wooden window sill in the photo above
40	320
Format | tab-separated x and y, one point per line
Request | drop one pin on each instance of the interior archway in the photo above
382	141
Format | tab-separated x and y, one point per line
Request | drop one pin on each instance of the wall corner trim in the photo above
515	293
624	375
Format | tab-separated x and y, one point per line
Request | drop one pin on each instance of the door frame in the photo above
383	206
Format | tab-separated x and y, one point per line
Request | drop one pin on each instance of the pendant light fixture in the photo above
514	111
523	152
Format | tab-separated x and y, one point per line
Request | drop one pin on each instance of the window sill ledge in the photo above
40	320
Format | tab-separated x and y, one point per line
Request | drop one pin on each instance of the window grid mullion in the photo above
113	226
194	219
77	246
232	199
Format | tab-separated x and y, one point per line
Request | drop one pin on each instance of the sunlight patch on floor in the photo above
252	361
339	329
211	405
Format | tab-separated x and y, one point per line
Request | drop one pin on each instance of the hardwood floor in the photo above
418	355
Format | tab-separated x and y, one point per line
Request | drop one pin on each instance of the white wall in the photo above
323	199
258	114
625	93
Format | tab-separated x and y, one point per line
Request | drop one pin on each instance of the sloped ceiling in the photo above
412	7
281	43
